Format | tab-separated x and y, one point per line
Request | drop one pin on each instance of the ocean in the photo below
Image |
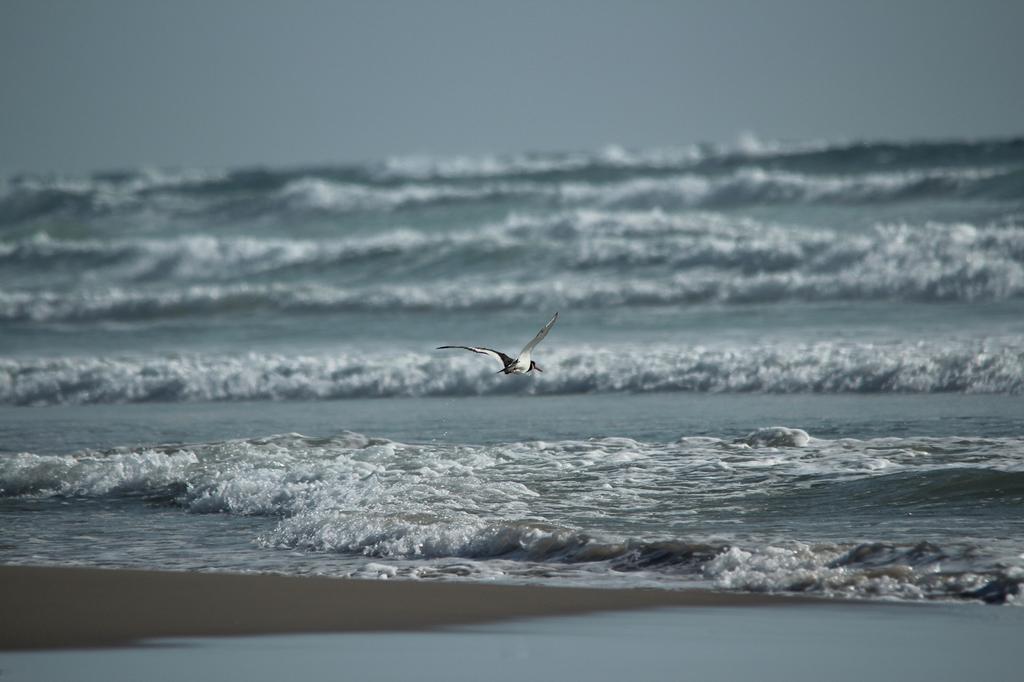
778	367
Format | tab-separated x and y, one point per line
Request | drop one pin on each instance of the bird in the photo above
519	365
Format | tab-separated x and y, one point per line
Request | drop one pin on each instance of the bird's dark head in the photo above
534	366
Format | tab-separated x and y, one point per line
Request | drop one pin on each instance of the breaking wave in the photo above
741	187
435	510
593	259
956	366
751	172
577	239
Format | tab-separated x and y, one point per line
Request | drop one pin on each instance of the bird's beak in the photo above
537	367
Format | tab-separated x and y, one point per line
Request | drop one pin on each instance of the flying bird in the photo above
520	365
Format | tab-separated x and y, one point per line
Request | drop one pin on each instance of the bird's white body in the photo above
519	365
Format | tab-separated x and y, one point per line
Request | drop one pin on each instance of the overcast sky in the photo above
112	83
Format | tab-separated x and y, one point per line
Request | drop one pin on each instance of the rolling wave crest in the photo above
974	367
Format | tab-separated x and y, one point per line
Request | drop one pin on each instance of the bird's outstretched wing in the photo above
496	354
527	351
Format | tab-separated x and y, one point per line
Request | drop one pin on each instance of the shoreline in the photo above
73	607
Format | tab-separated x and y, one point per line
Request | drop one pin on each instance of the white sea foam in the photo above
490	166
960	366
94	474
148	191
745	185
388	483
742	186
777	436
423	168
750	171
113	190
963	281
326	195
578	237
704	257
198	258
433	510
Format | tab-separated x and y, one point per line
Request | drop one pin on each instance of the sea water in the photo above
777	367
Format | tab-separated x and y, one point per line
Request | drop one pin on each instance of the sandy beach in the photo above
114	625
51	607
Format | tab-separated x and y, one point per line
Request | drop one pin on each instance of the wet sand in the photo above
78	621
50	607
